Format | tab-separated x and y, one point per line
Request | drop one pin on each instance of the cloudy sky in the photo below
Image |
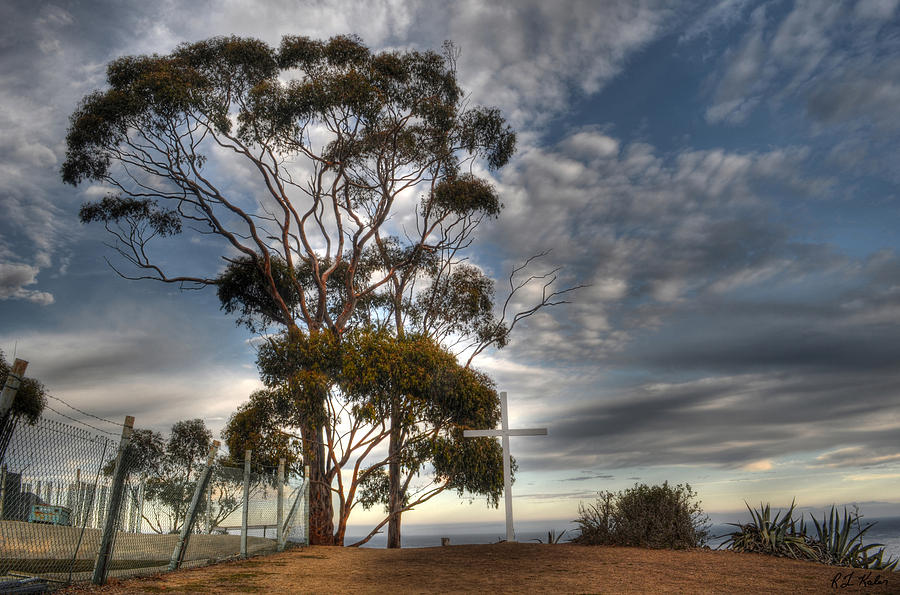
722	175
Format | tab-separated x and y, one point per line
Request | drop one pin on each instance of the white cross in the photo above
504	432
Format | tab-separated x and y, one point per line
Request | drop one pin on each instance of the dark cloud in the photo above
588	477
859	457
730	422
720	327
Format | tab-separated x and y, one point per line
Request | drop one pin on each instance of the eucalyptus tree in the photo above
331	140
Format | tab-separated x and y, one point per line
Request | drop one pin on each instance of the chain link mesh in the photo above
57	488
54	501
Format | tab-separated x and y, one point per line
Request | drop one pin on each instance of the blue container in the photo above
51	515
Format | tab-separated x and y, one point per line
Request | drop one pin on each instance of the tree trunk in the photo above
321	512
395	503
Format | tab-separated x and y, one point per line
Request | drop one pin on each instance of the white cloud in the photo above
14	278
589	145
871	476
763	465
527	57
830	56
876	9
721	15
643	228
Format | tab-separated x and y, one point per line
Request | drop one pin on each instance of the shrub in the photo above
644	516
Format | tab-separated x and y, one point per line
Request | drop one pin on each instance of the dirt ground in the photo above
509	568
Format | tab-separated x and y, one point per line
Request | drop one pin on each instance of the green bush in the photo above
644	516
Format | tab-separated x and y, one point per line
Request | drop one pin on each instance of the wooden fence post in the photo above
11	386
279	510
7	397
202	483
101	567
246	512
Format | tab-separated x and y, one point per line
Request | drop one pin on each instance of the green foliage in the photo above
115	208
776	536
644	516
409	100
460	302
375	489
471	465
299	369
244	288
842	549
835	541
254	426
430	398
484	132
410	380
31	398
378	367
188	444
466	194
552	537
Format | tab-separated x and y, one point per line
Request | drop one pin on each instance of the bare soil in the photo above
510	568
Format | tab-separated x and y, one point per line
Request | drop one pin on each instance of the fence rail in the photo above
58	489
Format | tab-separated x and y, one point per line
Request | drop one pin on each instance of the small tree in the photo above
167	471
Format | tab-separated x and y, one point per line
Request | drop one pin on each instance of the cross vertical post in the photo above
507	468
504	433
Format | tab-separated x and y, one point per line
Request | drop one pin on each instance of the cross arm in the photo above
528	432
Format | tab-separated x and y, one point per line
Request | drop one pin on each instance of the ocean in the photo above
886	531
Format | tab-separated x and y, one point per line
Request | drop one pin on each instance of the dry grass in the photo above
507	568
32	548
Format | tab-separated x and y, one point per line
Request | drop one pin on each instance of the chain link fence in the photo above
54	500
59	483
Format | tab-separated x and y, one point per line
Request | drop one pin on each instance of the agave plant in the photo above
552	537
842	549
776	535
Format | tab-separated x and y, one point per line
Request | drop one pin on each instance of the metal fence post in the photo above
209	514
2	488
101	567
279	510
306	505
202	482
246	512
